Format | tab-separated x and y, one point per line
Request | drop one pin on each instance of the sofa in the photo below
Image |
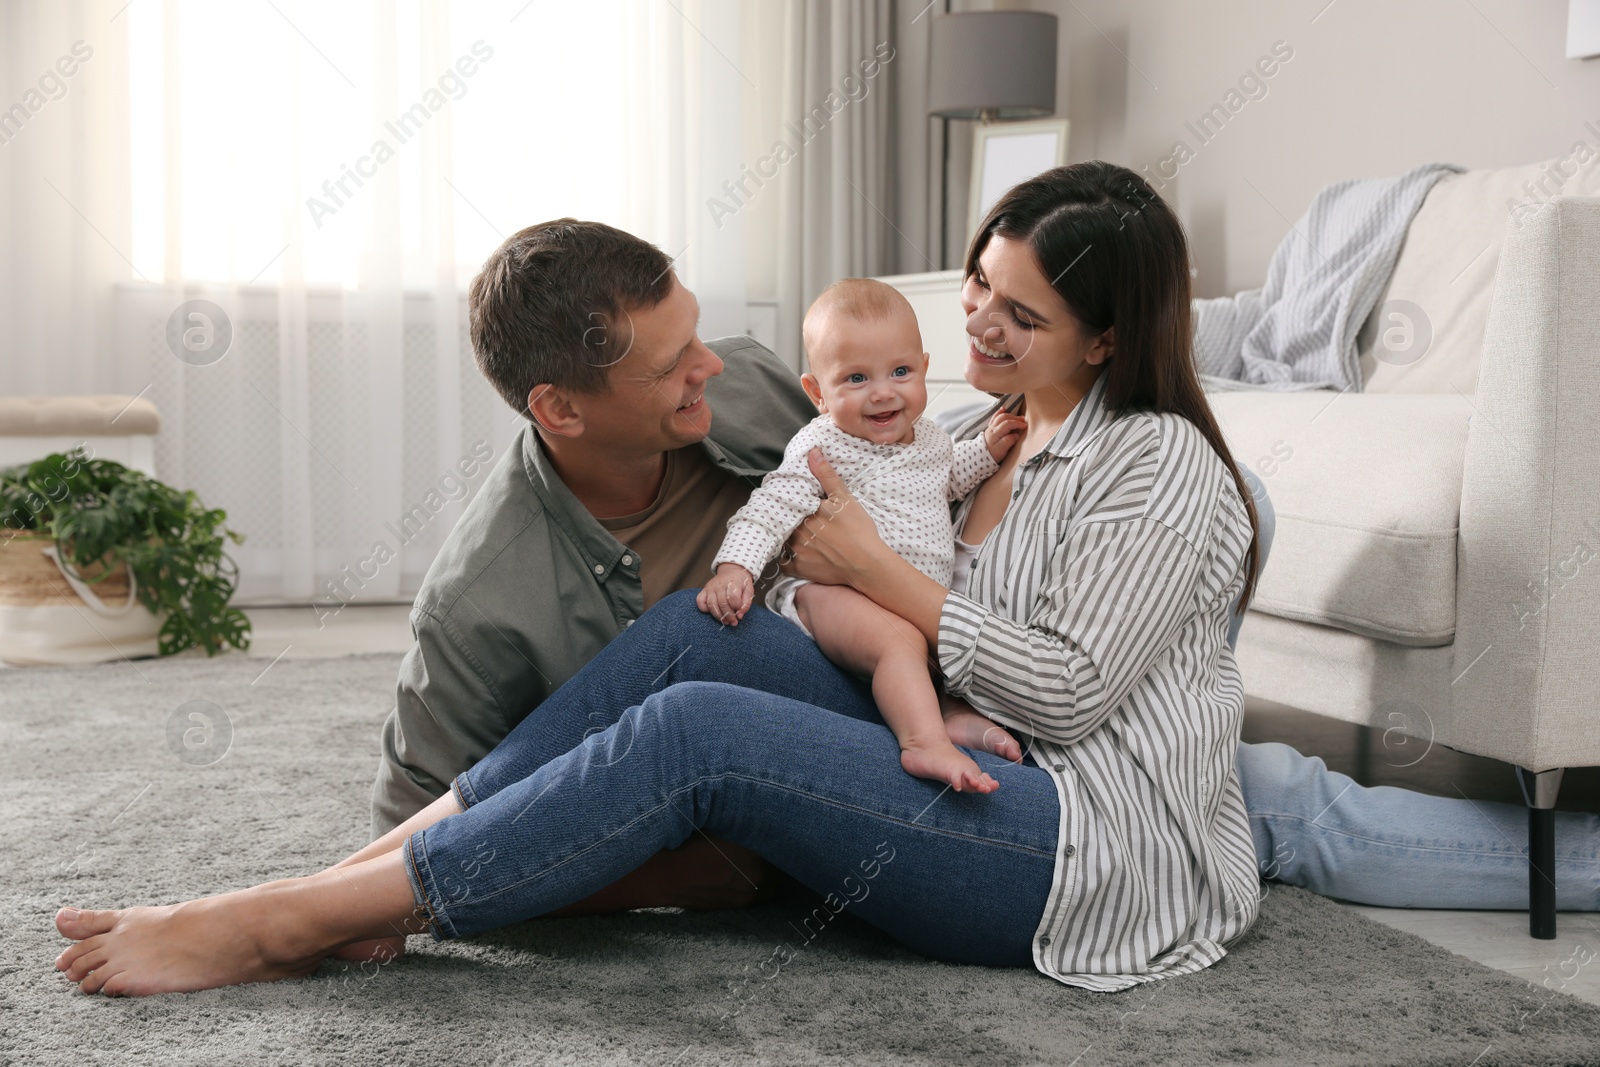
1436	568
1436	565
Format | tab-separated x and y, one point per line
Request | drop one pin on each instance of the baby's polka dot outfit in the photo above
905	488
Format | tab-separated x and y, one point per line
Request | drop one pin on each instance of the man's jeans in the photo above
805	773
638	752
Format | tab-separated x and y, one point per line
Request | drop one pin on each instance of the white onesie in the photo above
906	489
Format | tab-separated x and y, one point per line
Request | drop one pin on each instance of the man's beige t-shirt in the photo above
678	535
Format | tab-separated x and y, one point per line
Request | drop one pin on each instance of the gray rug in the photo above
115	796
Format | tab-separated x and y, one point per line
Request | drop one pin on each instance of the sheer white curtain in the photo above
64	228
681	142
328	177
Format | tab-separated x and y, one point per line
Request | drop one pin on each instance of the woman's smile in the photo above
989	357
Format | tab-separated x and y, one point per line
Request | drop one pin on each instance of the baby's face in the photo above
871	377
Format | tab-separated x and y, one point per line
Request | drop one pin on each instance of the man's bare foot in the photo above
199	944
948	764
967	727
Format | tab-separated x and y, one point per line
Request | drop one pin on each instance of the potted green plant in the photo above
99	520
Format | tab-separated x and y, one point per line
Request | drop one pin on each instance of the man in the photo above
617	493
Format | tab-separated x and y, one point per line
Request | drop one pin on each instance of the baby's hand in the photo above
1003	432
728	595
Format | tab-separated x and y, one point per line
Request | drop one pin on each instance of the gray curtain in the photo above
838	195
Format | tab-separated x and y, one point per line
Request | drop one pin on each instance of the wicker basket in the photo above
47	617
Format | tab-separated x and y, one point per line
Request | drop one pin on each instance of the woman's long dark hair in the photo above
1117	255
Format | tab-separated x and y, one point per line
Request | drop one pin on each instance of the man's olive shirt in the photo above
529	587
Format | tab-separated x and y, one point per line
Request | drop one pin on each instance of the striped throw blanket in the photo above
1298	331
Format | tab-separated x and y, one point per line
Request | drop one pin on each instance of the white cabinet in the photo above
936	298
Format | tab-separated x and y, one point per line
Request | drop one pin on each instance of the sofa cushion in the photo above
1367	490
1446	273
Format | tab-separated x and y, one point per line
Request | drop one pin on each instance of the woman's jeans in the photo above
783	754
1394	848
750	734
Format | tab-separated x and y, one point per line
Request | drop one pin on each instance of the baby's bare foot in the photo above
967	727
948	764
199	944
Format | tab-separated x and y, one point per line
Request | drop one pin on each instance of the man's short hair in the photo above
859	299
551	306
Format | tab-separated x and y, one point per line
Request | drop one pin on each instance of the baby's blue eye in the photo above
901	372
857	379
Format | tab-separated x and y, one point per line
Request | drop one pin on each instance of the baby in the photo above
867	379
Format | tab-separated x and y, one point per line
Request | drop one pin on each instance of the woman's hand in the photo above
838	543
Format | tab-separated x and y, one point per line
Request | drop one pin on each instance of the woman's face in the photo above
1021	336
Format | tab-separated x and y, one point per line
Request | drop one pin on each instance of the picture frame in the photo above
1583	29
1005	153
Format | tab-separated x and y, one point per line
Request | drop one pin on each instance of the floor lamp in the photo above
988	66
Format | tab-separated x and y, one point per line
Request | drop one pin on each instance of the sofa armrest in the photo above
1527	662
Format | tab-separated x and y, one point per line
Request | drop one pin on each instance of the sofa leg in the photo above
1539	789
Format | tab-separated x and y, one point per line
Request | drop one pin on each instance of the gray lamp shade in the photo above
996	64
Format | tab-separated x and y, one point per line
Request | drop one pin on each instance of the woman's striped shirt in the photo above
1095	622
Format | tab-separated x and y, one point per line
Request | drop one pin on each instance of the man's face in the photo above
657	397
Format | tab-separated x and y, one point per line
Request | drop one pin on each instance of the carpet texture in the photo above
116	796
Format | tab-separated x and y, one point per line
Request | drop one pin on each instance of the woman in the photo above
1102	562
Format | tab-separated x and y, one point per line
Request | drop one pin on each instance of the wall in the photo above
1373	87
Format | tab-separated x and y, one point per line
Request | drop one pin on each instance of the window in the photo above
339	142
